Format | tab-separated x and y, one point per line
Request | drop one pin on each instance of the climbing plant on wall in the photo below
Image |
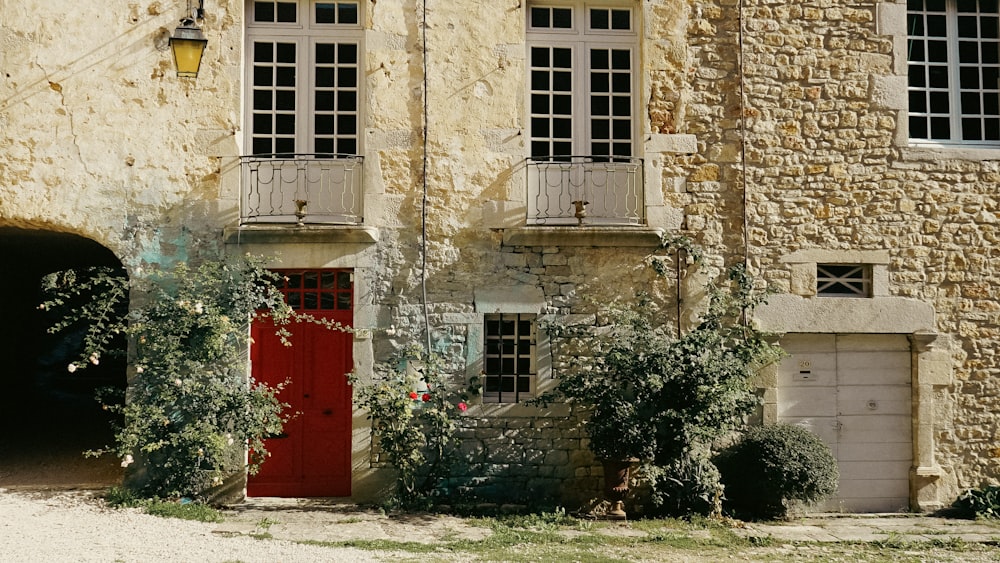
189	410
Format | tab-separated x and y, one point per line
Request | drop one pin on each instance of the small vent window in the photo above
843	280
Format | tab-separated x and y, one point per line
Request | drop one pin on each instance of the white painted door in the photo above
854	392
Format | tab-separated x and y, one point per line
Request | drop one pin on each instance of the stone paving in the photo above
319	520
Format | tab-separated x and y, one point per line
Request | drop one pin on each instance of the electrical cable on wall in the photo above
423	176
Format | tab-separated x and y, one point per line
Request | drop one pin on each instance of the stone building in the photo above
469	168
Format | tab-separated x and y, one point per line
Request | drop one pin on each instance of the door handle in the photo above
328	411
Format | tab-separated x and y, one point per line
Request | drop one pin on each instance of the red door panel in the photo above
313	455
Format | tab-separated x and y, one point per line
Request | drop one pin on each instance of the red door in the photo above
312	457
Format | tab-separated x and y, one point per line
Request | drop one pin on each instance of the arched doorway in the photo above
48	416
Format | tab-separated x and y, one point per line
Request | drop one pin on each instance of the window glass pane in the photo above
347	12
324	125
991	129
344	280
347	101
263	11
263	52
347	78
917	51
937	51
599	59
284	146
968	78
326	53
325	77
622	106
284	124
324	146
539	56
310	300
287	12
262	123
918	102
310	280
285	100
344	301
621	59
263	76
562	58
326	12
600	82
918	127
989	53
285	76
621	83
968	26
562	18
940	102
325	100
971	130
599	105
940	128
600	19
286	52
540	17
263	99
346	125
621	20
938	76
936	26
327	301
562	81
347	53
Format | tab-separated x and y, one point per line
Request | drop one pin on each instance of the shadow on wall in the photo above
48	416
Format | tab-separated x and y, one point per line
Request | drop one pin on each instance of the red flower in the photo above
413	395
426	397
463	407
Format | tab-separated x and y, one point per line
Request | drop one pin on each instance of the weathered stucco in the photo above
772	133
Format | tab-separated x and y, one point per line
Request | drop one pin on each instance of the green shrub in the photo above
979	503
771	465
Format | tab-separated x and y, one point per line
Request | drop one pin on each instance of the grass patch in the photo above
119	497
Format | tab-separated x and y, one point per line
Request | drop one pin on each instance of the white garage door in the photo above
854	392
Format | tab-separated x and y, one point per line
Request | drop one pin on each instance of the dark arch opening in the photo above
48	416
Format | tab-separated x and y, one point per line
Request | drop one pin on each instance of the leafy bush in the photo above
664	399
189	411
412	403
771	465
979	503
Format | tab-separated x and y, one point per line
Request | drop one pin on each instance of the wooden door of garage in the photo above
854	392
312	457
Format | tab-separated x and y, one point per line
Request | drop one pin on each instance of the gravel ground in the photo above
73	527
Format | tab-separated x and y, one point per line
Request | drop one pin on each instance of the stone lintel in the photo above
294	234
584	236
826	256
885	315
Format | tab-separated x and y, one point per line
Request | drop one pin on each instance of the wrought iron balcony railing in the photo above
585	190
302	189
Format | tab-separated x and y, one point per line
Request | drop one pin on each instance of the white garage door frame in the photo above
930	366
854	392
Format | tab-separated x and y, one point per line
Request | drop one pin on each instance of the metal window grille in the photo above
509	360
954	70
318	290
843	280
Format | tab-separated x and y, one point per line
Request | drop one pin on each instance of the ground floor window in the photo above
509	360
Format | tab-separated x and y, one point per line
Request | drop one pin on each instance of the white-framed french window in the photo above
583	75
303	77
509	357
582	79
953	50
